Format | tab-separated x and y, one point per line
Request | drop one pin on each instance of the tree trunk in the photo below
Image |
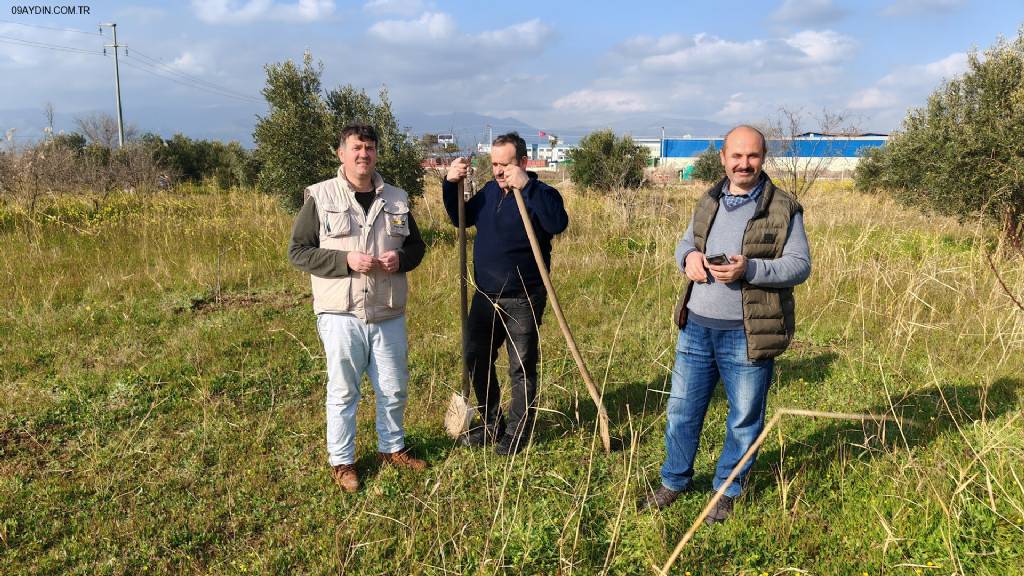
1013	228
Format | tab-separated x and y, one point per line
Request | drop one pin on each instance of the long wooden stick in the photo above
463	300
750	454
595	394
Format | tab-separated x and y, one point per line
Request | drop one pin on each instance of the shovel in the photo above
460	412
595	394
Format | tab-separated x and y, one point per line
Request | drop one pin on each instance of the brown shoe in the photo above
658	499
345	475
402	459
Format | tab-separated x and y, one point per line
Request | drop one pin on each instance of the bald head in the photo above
747	131
742	156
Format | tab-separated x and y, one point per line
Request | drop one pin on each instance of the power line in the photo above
34	44
135	53
52	28
156	68
152	70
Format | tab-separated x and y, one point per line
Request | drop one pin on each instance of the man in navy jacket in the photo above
509	299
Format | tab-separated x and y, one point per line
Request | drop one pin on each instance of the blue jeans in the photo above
702	356
354	347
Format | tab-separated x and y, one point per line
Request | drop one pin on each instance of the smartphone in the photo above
719	259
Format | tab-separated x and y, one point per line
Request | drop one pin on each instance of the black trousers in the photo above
513	321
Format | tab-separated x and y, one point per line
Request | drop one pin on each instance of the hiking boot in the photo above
510	445
658	499
721	511
402	459
346	477
483	435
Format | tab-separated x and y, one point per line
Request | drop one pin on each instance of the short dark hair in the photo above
364	132
512	138
764	141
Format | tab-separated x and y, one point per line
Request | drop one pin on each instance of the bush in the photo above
199	161
960	154
603	162
297	142
708	166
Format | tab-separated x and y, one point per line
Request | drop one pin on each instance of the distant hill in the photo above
236	123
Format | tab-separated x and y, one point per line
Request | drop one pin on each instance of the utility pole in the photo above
117	83
661	152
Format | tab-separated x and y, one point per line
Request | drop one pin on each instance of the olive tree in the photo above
296	143
959	154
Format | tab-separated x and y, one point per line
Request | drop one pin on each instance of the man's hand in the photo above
389	261
515	177
457	170
694	267
730	272
361	262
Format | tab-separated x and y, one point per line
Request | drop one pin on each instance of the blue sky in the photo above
553	64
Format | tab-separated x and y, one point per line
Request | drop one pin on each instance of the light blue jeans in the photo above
354	347
702	356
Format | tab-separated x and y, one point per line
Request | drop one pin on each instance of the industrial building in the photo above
844	151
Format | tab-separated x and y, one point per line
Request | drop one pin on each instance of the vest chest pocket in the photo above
336	224
396	220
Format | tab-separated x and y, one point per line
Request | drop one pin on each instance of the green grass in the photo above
161	404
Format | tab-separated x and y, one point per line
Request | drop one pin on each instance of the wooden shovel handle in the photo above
463	300
595	394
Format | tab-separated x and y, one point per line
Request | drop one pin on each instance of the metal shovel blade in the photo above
458	416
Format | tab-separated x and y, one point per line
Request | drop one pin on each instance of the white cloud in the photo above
529	34
909	85
428	28
190	63
399	7
237	12
922	7
709	54
822	47
808	12
737	108
434	27
646	45
616	101
709	76
873	99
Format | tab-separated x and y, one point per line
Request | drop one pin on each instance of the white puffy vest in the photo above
377	295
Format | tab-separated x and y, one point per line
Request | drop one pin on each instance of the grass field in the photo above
162	383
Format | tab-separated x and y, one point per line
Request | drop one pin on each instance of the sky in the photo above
198	66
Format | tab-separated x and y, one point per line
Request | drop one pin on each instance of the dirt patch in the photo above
13	442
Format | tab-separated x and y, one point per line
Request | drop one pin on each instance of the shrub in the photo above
296	143
708	166
960	153
603	162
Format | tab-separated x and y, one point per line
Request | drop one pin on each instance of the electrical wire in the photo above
152	70
156	68
139	55
51	28
34	44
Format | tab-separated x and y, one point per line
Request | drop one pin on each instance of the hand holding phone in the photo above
719	259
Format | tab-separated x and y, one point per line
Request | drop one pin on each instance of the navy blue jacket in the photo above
501	251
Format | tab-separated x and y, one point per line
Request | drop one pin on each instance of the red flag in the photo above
541	133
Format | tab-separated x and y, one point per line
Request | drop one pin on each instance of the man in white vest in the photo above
357	239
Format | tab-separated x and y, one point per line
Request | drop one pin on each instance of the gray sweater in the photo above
723	302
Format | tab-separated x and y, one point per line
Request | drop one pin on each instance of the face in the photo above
502	156
742	156
358	157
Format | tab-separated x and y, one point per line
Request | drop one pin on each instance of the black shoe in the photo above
483	435
509	445
658	499
721	511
